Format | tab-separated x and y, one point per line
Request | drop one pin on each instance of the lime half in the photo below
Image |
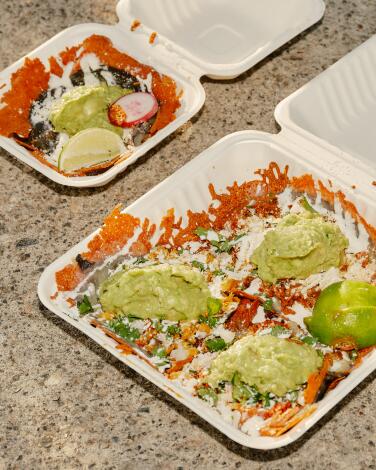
90	147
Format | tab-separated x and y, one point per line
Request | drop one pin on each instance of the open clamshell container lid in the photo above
334	115
223	39
194	38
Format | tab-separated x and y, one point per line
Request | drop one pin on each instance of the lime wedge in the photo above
90	147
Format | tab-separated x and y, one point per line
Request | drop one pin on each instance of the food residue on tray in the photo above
259	305
136	24
84	87
152	37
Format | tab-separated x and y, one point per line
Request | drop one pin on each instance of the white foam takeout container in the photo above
317	137
219	38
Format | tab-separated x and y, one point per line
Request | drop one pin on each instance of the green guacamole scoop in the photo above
345	314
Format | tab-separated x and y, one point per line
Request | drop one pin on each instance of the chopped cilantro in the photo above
311	340
221	246
173	330
268	305
214	305
265	398
84	305
201	231
140	260
124	330
158	325
242	392
307	206
180	251
159	351
278	330
215	344
353	354
198	265
218	272
207	394
209	320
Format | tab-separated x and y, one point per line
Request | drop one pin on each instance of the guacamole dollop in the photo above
269	363
84	107
300	245
171	292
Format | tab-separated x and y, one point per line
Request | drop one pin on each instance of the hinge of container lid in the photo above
162	50
336	163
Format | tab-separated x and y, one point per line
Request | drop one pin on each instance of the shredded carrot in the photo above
280	423
316	379
178	365
362	353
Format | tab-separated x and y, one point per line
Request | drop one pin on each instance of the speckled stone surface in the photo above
64	402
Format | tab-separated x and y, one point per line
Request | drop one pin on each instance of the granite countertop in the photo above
65	402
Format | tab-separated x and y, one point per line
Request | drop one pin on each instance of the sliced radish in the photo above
132	109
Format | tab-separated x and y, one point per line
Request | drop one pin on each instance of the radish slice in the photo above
132	109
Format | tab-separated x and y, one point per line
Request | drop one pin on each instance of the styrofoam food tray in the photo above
234	158
195	37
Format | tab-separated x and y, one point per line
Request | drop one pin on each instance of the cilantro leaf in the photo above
215	344
201	231
209	320
268	305
159	351
218	272
307	206
221	246
310	340
140	260
242	392
278	330
214	305
124	330
208	394
198	265
173	330
84	306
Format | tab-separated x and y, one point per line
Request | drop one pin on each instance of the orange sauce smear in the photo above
118	227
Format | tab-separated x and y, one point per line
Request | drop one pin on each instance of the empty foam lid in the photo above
337	109
223	38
